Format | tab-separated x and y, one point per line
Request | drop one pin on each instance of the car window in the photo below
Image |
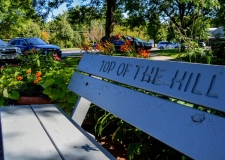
22	43
138	39
35	41
12	42
17	42
2	43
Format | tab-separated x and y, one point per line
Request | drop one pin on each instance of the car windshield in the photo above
2	43
35	41
129	38
138	39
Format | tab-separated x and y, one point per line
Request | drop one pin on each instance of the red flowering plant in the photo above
143	53
108	48
85	44
130	50
104	48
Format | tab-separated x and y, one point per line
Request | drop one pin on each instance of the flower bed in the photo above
38	75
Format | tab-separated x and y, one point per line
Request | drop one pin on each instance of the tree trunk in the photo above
110	18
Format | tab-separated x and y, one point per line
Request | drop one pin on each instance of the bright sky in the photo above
61	9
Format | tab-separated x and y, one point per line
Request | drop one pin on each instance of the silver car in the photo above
8	52
167	45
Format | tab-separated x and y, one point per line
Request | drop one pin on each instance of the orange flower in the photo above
144	53
87	47
98	47
35	81
127	42
118	36
29	71
19	78
38	74
38	78
33	50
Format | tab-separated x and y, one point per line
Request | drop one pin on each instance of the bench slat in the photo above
197	134
69	138
23	136
197	83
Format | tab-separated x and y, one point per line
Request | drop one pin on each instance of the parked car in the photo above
8	52
26	44
147	45
118	42
136	42
165	44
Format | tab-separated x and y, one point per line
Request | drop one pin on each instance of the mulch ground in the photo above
117	149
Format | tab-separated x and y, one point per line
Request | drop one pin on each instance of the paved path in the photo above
154	56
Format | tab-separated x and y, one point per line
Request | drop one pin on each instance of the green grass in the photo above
71	61
174	53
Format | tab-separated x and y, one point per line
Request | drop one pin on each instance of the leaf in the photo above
71	98
55	94
61	96
64	88
50	74
58	80
14	95
5	93
119	134
38	63
16	73
54	97
47	91
1	101
133	148
48	83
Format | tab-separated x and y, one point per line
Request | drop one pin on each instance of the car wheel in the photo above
161	48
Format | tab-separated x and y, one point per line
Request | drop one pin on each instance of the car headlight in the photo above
38	49
18	50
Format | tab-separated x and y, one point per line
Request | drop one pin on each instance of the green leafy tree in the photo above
219	15
181	13
155	29
14	15
64	31
32	30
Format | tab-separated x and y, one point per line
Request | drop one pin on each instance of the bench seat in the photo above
45	132
133	90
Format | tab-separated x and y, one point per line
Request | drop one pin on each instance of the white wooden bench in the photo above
45	132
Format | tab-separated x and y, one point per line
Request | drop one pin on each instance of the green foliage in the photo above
14	15
61	32
134	32
55	82
219	18
32	30
83	15
199	55
39	73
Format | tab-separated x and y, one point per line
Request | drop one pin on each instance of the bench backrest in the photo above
196	133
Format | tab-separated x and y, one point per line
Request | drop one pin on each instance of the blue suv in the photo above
26	44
